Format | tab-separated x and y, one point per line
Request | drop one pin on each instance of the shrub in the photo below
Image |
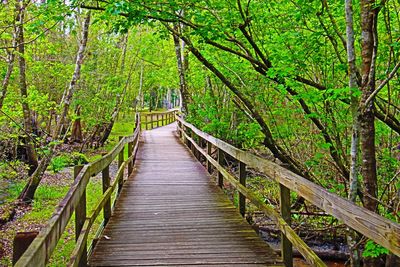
58	163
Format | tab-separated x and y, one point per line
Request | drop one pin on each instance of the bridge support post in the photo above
220	162
120	162
158	120
80	217
192	145
151	121
130	163
209	165
286	245
105	176
242	180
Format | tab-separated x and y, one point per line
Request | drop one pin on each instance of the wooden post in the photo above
120	162
158	120
220	162
130	163
105	175
192	145
151	121
209	165
21	242
189	134
242	180
80	217
286	245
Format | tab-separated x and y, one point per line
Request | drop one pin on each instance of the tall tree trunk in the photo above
76	134
67	98
181	69
353	177
10	66
141	94
30	150
369	43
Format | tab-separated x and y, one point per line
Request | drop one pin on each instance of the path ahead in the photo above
171	214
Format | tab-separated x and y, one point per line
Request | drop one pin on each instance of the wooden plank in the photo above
169	214
383	231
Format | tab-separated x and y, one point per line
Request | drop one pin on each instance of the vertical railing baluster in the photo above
286	245
120	162
105	177
242	180
80	217
130	164
209	165
220	162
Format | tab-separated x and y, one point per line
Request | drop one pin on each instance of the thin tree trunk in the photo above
182	79
30	150
76	135
66	100
369	43
141	95
353	177
10	68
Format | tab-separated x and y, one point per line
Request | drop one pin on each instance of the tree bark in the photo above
369	43
76	135
67	98
141	94
353	175
30	150
181	70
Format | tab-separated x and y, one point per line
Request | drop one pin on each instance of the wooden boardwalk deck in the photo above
171	214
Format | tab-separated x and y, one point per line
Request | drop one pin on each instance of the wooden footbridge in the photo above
168	212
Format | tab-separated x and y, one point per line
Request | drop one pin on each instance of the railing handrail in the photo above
379	229
166	117
40	250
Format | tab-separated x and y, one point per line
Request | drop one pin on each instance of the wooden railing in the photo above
40	250
157	119
377	228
